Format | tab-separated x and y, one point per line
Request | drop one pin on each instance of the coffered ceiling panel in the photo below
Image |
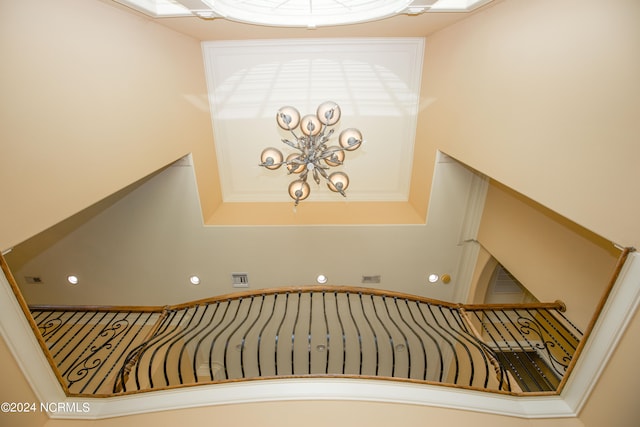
375	81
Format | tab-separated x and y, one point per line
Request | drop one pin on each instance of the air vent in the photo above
240	280
33	279
371	279
505	283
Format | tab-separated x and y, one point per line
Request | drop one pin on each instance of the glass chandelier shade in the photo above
336	156
313	156
338	182
299	190
295	163
271	158
350	139
288	118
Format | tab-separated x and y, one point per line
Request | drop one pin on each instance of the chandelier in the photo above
313	156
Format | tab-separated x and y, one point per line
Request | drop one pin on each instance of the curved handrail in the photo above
335	331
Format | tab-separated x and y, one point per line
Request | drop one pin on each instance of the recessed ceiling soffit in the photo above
376	82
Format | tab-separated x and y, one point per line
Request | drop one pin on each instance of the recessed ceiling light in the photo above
433	278
73	280
195	280
321	279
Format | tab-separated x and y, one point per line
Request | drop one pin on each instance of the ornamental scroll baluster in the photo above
541	339
94	359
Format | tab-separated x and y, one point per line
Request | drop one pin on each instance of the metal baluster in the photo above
215	338
326	326
531	363
79	370
113	349
373	333
196	350
498	346
293	336
124	353
393	352
176	339
244	337
183	347
444	335
309	330
48	335
357	331
404	336
568	352
273	309
424	348
81	340
344	337
162	342
424	351
473	341
284	315
226	343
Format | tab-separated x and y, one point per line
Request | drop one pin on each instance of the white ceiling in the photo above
375	81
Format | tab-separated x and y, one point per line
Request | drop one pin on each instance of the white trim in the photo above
617	313
469	234
24	346
607	332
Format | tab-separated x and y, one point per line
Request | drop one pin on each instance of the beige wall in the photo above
85	86
544	97
16	389
552	257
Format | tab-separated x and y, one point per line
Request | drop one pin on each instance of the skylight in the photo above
298	13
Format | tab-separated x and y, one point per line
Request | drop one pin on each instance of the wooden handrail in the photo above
99	308
557	305
596	315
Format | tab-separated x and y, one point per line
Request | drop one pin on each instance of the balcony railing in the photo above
309	332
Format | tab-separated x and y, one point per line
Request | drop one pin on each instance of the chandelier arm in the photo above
264	164
294	135
295	161
325	138
325	154
323	172
289	143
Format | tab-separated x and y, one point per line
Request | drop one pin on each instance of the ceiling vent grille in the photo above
240	280
371	279
505	282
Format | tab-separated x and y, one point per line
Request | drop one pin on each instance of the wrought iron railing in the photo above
312	331
535	345
89	345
